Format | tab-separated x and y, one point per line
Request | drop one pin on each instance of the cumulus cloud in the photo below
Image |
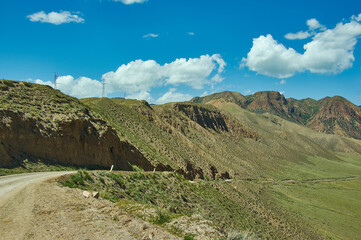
357	18
128	2
173	96
191	33
81	87
38	81
205	93
194	72
151	35
55	17
330	51
270	58
137	78
314	24
282	82
142	95
140	75
298	35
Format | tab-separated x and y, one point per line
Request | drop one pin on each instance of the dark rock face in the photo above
204	117
214	119
76	142
38	122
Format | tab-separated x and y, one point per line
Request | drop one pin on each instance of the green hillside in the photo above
236	168
270	161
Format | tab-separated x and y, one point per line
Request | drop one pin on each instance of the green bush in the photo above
78	179
136	168
189	237
118	178
162	216
240	235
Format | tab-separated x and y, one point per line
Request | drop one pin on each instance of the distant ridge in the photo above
333	115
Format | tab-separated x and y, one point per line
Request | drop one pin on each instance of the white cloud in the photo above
128	2
270	58
151	35
330	51
173	96
356	18
38	81
55	17
194	72
313	24
142	95
191	33
81	88
282	82
205	93
298	35
282	92
137	78
142	75
247	91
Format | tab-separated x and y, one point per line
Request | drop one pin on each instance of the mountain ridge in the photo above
332	115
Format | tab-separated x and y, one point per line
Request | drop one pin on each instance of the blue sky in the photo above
171	50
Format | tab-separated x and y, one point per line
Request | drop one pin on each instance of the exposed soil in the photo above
48	211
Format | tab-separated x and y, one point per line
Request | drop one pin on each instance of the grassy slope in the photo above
218	201
285	150
40	102
167	136
331	207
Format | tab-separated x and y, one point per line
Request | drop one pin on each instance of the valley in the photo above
268	172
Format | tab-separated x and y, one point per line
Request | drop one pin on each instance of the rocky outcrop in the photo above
212	118
337	116
40	123
76	142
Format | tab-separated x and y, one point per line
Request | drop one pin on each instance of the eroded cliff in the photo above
38	122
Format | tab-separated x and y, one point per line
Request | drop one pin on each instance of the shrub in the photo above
77	179
189	237
240	235
118	178
136	168
162	216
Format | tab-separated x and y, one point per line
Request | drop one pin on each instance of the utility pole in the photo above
55	77
103	93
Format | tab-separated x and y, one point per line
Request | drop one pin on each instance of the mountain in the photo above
333	115
204	141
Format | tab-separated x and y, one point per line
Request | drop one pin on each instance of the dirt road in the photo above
10	185
33	206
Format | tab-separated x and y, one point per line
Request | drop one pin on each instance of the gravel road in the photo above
11	184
